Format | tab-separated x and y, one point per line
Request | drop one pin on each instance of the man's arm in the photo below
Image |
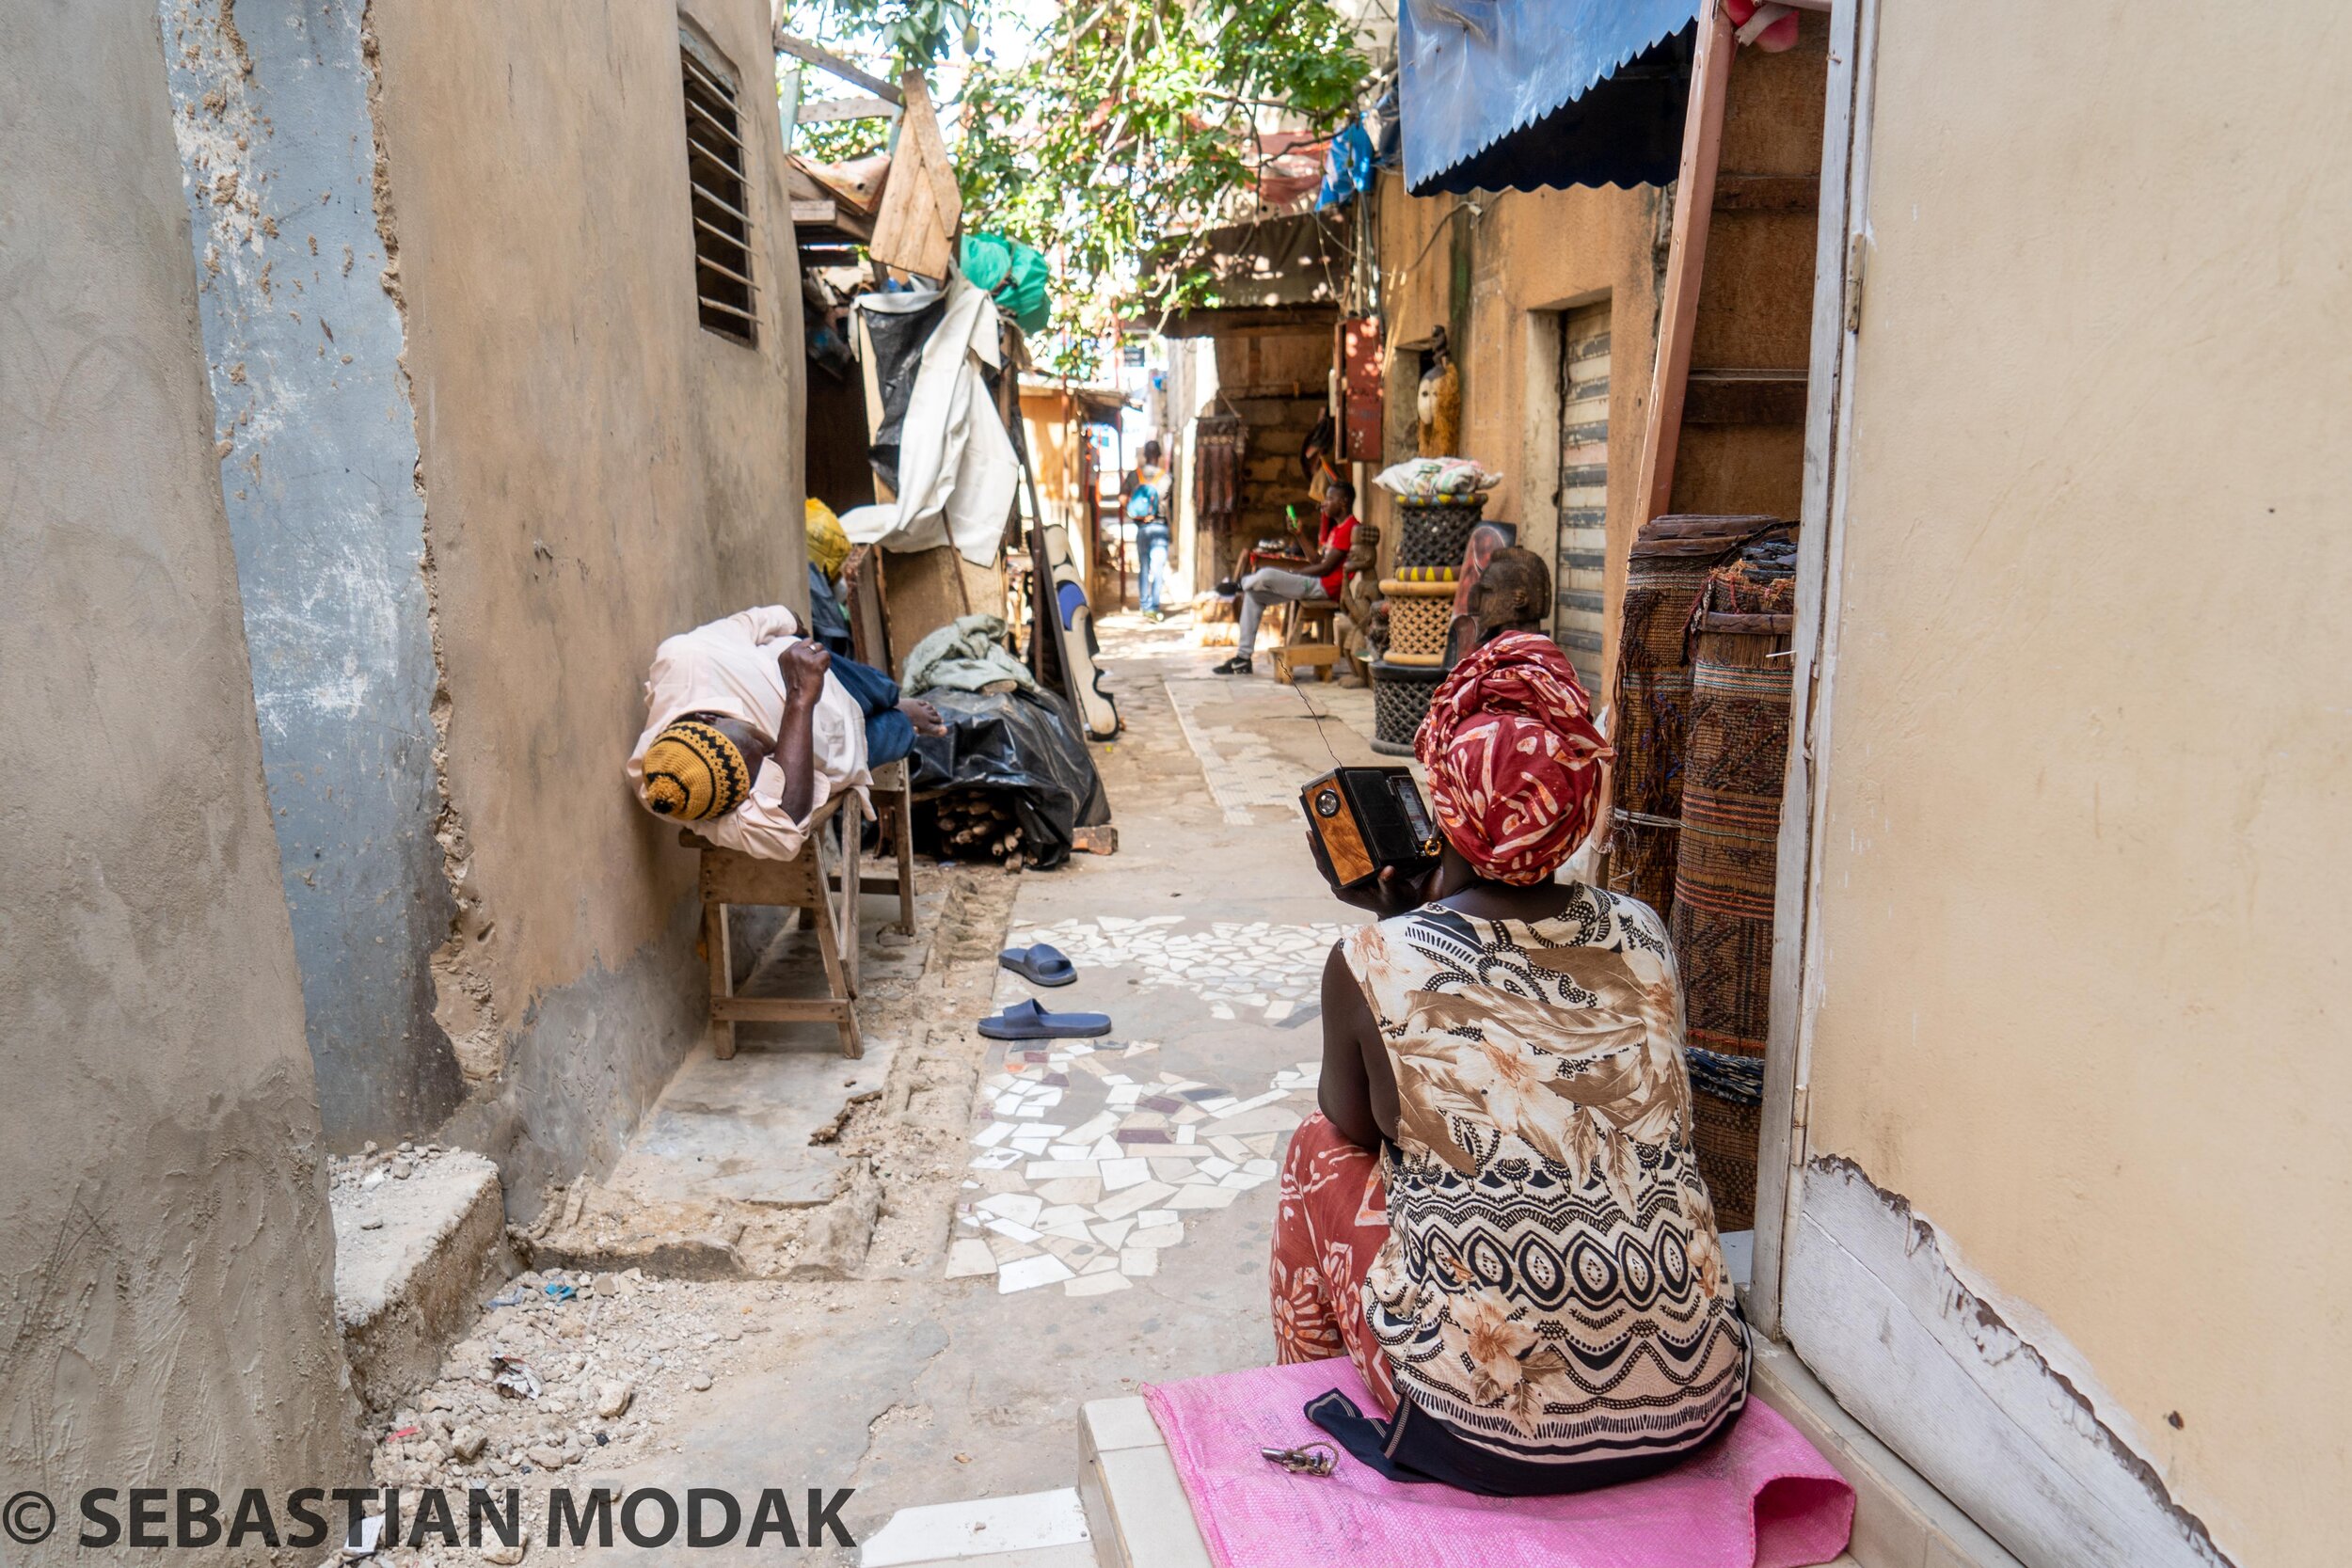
804	664
766	623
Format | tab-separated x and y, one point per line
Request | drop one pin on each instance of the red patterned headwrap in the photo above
1514	760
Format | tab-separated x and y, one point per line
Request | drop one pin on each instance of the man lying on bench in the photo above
751	727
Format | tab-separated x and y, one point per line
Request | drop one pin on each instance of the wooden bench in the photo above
814	881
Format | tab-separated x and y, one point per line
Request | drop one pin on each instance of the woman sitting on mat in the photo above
1499	1216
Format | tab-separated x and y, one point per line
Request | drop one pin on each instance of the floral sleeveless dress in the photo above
1552	1290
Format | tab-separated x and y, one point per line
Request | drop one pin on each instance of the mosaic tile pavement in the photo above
1272	973
1090	1159
1242	770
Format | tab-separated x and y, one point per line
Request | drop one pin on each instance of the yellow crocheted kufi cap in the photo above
694	772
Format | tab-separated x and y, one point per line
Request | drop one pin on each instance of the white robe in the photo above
730	667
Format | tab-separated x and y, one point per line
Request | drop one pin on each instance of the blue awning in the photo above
1520	93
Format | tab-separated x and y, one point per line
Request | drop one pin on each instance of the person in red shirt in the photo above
1270	585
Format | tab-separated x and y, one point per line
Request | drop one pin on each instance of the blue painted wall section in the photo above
318	468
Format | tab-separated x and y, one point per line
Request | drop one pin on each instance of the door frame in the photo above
1839	265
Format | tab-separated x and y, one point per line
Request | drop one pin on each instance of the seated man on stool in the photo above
1270	585
751	727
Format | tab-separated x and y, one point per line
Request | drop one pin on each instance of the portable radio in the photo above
1370	817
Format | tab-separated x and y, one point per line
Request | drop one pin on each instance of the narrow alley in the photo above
1006	1231
1174	784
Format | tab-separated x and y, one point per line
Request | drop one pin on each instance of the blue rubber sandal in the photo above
1026	1021
1040	965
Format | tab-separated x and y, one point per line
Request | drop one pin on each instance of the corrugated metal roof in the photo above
1476	72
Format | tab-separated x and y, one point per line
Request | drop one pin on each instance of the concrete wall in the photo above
598	472
484	457
1496	280
2080	1092
304	346
165	1260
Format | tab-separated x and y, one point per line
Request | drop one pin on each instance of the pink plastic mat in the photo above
1763	1497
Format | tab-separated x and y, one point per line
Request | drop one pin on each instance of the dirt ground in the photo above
915	1306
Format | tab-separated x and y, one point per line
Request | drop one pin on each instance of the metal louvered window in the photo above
1578	620
716	172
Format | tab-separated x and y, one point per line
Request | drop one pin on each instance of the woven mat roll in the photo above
1735	758
1671	558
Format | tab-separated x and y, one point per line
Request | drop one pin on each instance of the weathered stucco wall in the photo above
1497	280
167	1312
318	466
2082	862
598	472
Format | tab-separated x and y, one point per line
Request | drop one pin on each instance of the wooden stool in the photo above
1309	621
803	882
1310	641
1291	657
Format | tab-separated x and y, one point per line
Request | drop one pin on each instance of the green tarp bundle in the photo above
1014	273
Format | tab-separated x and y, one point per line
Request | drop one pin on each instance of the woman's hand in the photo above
1391	892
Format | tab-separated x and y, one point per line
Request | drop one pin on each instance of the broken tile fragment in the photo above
1150	1195
1029	1272
969	1256
1120	1174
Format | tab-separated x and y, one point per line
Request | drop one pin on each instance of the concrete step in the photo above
410	1253
1136	1506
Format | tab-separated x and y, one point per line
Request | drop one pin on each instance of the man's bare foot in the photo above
925	718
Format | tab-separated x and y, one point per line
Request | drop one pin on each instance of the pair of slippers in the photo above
1041	965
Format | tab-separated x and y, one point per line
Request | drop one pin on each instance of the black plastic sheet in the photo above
1023	748
897	337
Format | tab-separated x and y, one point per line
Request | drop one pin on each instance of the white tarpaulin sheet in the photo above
957	473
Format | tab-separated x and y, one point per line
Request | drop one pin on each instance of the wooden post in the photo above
1695	203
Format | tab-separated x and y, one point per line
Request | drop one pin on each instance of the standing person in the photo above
1147	508
751	726
1271	585
1498	1215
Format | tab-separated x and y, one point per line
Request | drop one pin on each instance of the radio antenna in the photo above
1320	718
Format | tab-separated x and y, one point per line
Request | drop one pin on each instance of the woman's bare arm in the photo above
1351	1040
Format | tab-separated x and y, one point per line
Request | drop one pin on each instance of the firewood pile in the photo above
974	825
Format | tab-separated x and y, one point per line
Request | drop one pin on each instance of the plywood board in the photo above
923	591
2011	1430
915	230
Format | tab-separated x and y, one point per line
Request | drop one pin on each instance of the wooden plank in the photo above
800	49
2016	1433
915	229
1781	1140
815	215
719	949
779	1010
829	111
923	121
858	185
1694	202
